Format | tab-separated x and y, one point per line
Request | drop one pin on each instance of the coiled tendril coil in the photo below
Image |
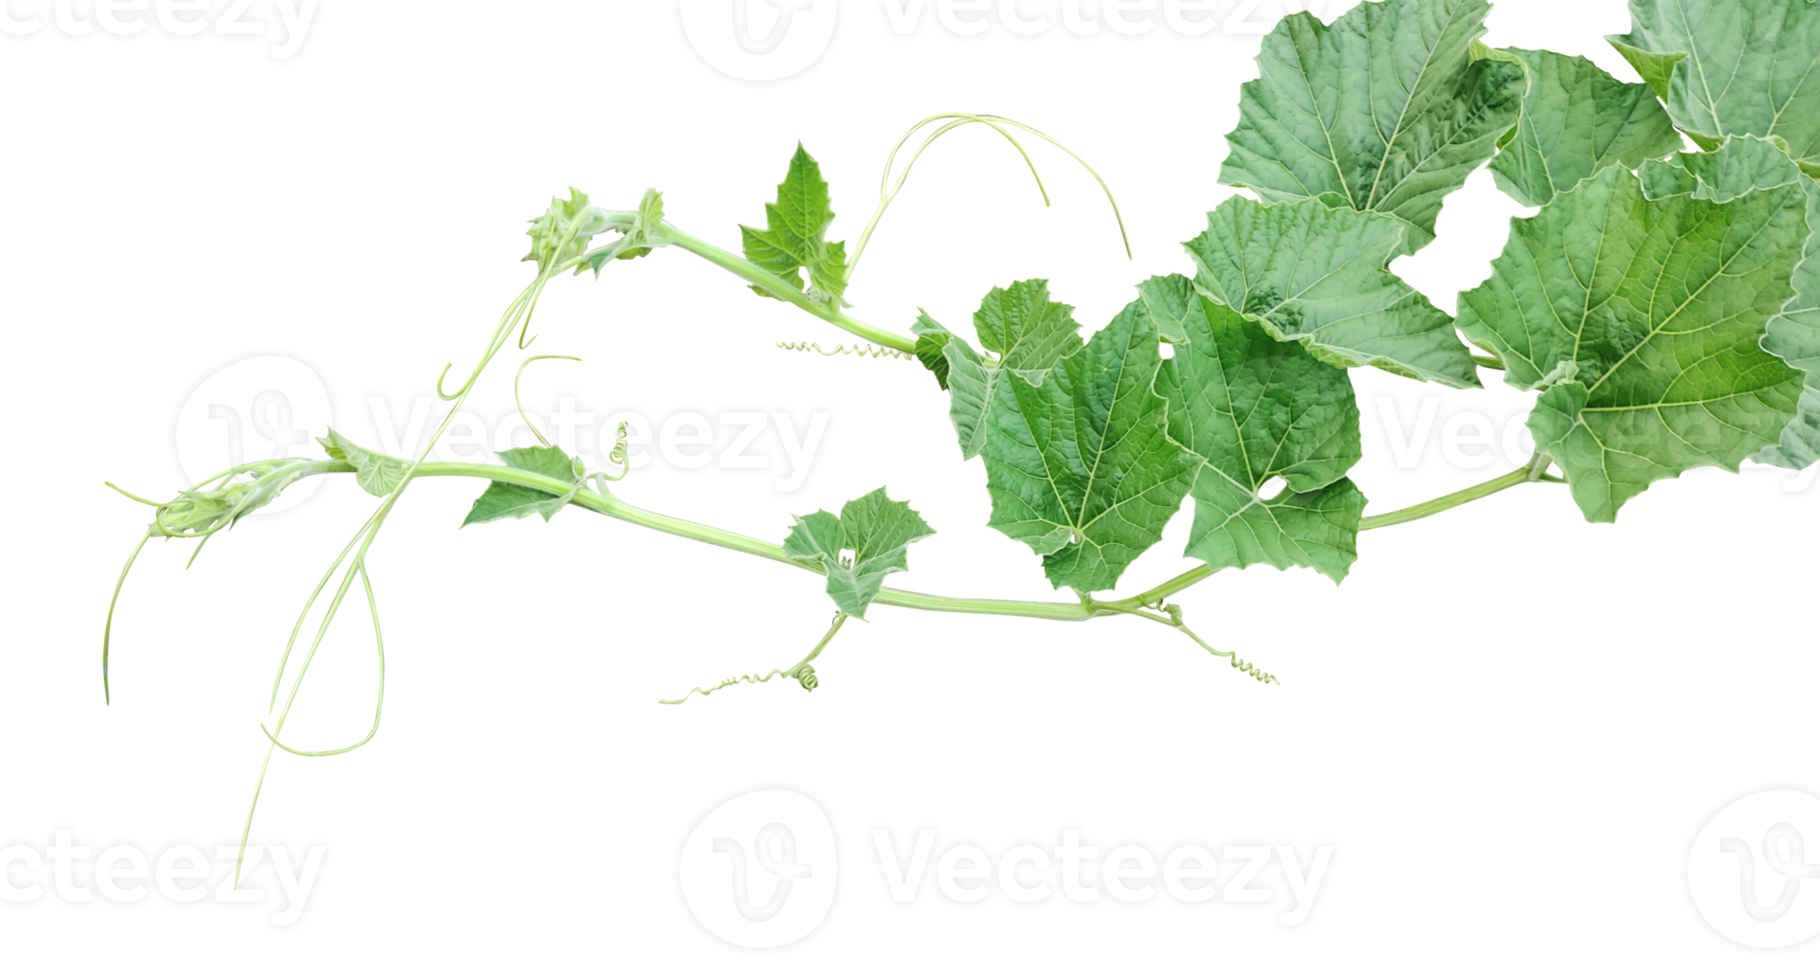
845	350
1251	670
805	678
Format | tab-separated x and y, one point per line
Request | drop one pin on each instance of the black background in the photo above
1507	724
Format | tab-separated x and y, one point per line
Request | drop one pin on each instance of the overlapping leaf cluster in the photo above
1665	306
1669	319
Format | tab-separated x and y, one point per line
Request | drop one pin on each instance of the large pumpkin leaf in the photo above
1386	110
1644	320
1079	462
1255	410
1320	276
1733	68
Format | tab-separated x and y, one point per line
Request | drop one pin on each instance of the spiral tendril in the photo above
734	680
618	457
1250	670
856	350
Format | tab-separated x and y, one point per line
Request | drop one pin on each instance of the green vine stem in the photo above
1531	472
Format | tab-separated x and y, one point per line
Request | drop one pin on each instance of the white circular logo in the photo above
267	407
760	40
760	870
1750	873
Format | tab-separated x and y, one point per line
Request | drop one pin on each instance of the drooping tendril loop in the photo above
517	383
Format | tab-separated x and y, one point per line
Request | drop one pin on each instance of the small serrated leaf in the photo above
377	474
502	501
867	542
793	239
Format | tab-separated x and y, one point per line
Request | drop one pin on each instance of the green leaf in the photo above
1646	318
868	541
1320	276
932	346
792	240
1795	338
644	235
1028	331
1577	120
1255	409
501	501
1079	462
564	231
1733	68
376	473
1743	164
1385	110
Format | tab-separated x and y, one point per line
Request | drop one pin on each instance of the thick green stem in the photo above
785	291
1515	478
611	506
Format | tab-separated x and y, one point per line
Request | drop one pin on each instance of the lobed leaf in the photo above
1386	110
1577	120
1733	68
1644	320
1028	331
867	542
1079	463
509	501
1320	276
793	241
1255	409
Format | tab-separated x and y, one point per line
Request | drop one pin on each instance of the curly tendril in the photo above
620	457
802	672
1248	669
857	350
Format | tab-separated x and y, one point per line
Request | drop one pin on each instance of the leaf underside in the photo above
377	474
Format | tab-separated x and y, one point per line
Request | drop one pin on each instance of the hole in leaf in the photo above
1272	488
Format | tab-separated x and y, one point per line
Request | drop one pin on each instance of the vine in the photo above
1663	305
